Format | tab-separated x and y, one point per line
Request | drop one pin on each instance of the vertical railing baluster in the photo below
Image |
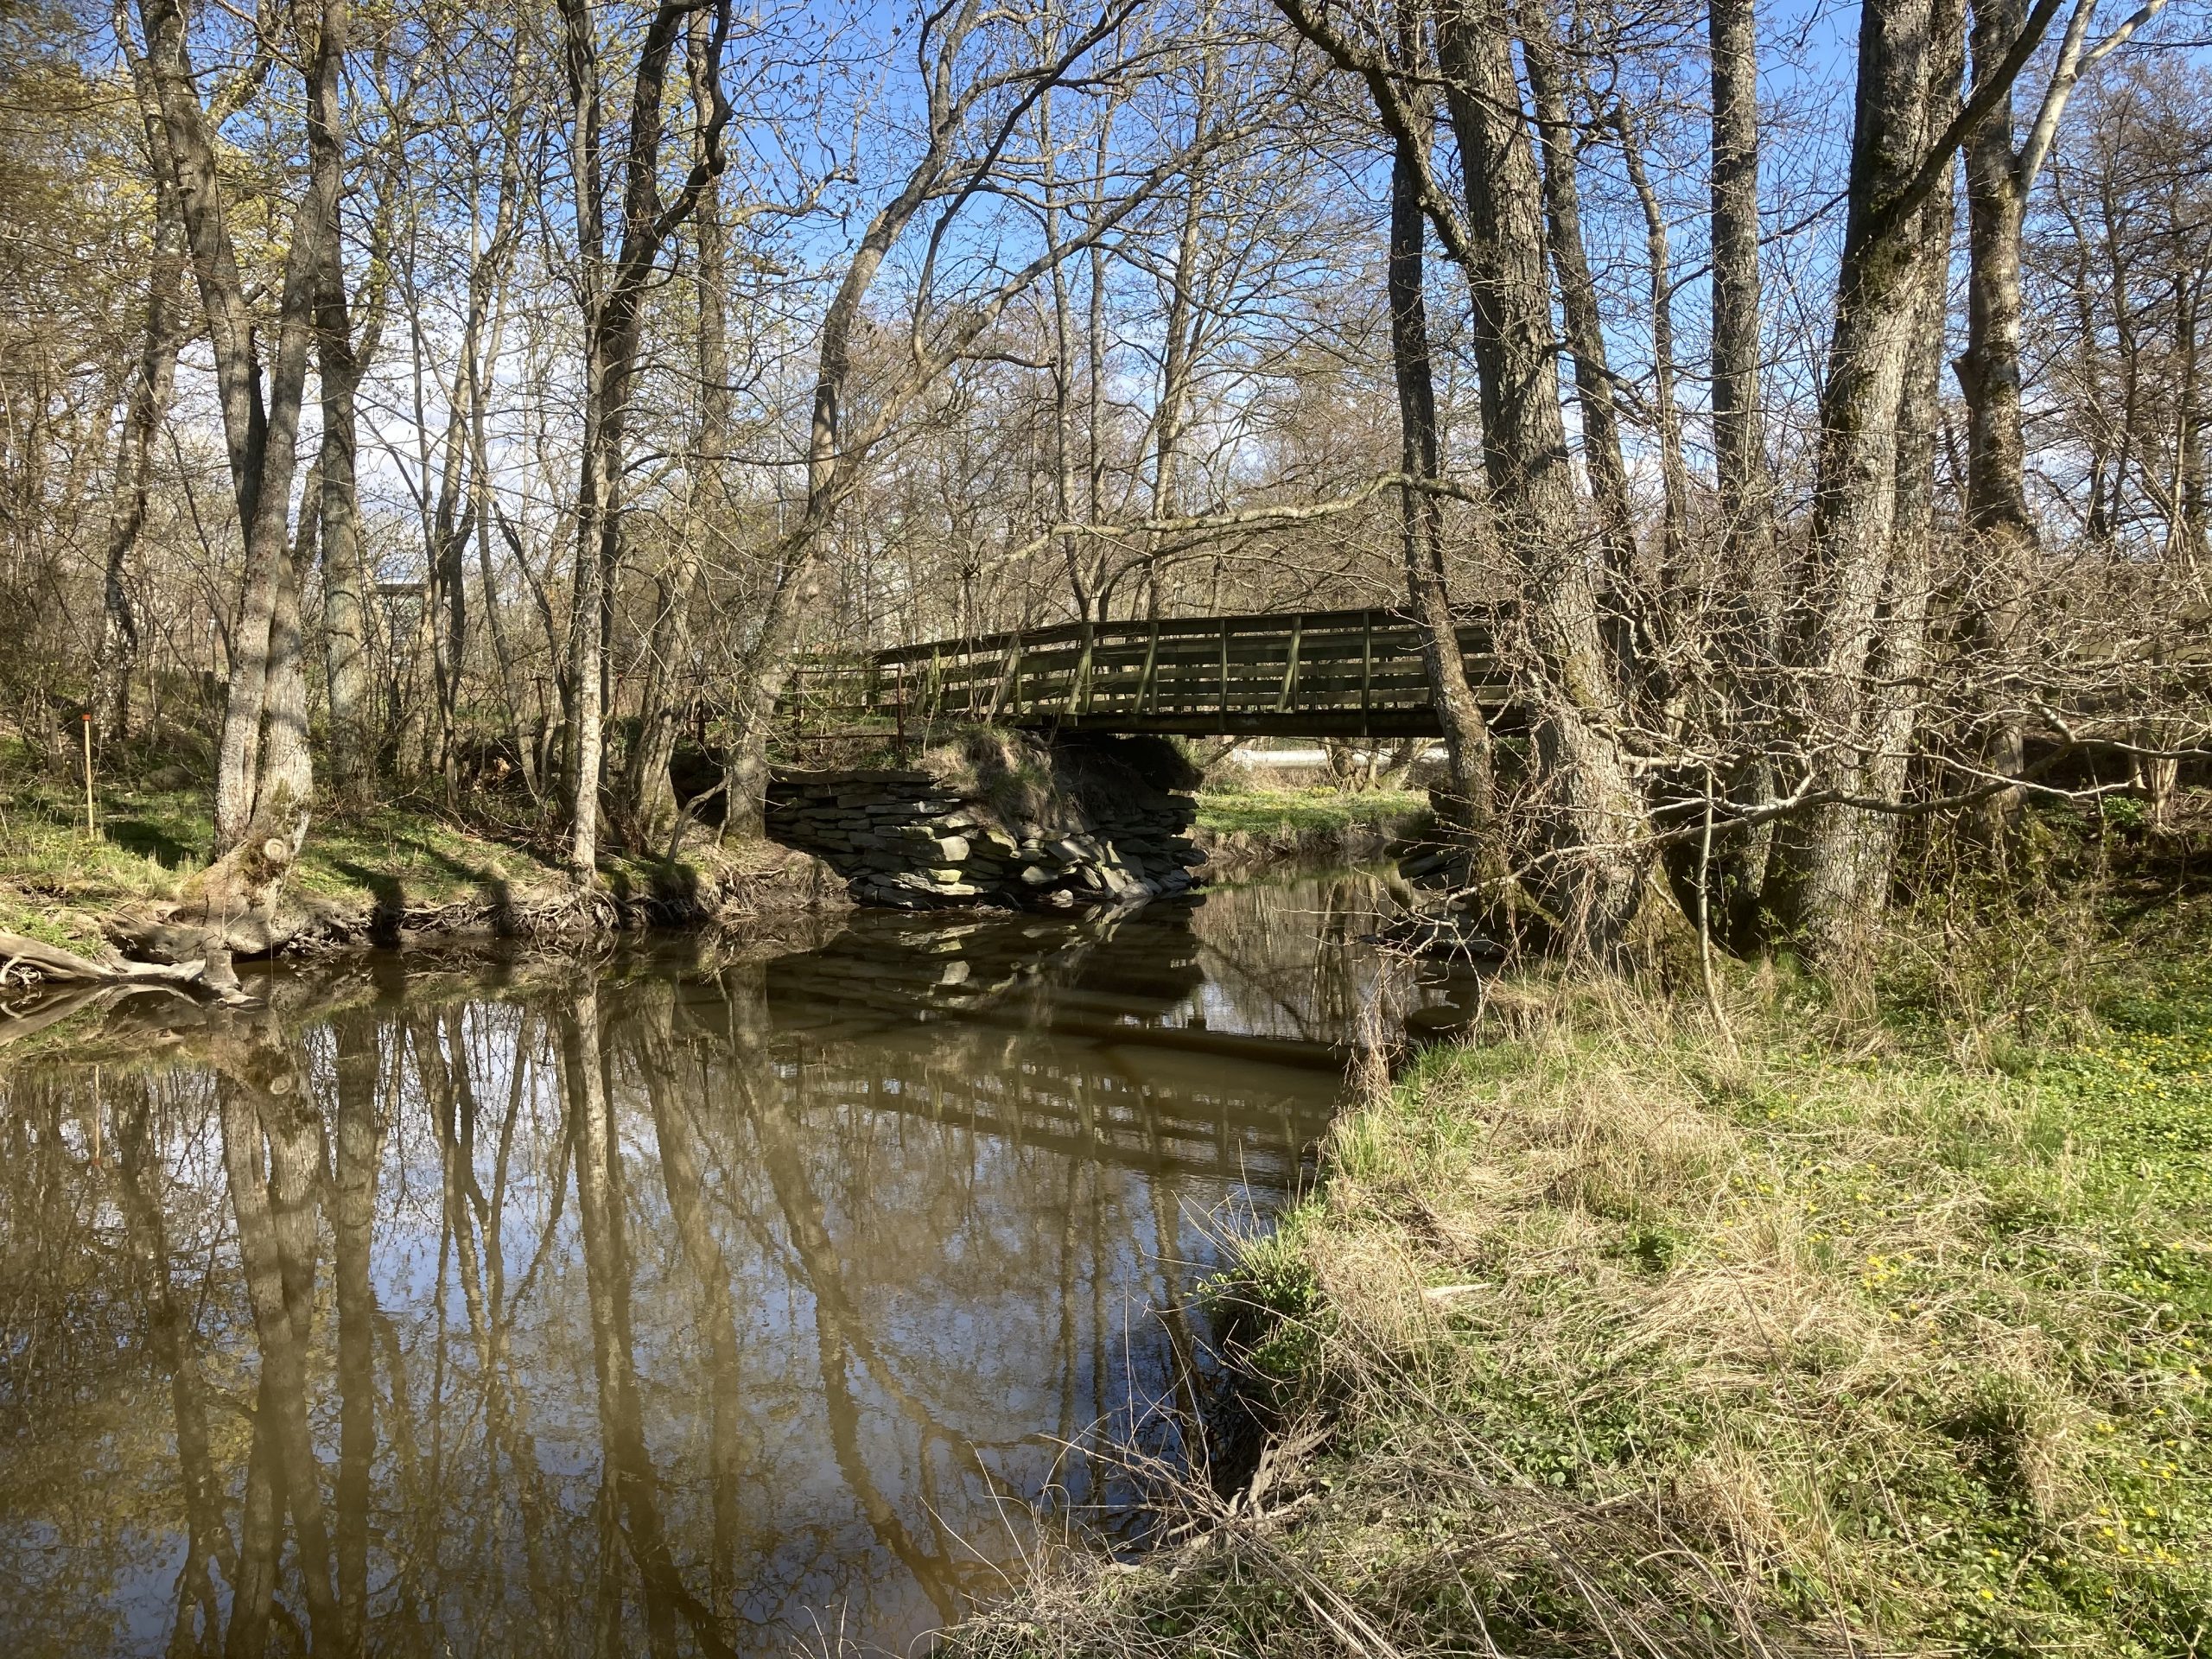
1224	721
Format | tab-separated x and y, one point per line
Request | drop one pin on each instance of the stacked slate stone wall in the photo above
909	838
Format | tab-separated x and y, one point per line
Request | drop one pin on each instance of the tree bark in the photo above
345	575
1469	799
651	789
1588	810
1749	611
1989	371
1577	293
264	777
1739	419
613	300
1858	621
261	428
1989	374
152	382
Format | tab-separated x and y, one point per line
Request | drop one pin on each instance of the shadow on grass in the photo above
389	911
387	895
151	840
495	888
668	890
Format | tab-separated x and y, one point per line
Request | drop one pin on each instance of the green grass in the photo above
56	879
1318	810
1820	1339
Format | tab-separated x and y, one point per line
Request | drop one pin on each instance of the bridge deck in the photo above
1299	674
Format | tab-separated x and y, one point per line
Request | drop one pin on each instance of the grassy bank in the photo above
56	879
1248	825
1623	1333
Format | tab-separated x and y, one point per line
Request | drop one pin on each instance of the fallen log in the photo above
52	962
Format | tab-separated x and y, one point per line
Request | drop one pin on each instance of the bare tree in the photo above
971	114
153	380
265	779
611	289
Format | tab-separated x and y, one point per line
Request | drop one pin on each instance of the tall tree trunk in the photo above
1469	798
1851	629
1588	810
586	736
1989	374
481	510
261	427
264	795
287	763
651	789
2186	540
153	380
1674	474
1749	607
1739	418
1179	358
613	294
1989	371
344	576
647	782
1557	134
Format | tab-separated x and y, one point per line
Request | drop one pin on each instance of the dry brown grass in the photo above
1633	1337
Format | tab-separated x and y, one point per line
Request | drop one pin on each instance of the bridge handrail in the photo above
1356	668
1073	633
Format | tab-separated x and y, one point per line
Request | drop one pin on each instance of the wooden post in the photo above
1145	686
91	828
1225	674
1366	673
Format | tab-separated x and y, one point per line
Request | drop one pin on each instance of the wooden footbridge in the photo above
1295	674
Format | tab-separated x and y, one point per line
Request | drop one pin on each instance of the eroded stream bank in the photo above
711	1299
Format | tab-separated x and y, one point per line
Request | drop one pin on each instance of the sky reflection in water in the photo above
668	1305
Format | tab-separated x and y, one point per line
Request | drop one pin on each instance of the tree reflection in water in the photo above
674	1304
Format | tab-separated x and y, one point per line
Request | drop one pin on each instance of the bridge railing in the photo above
1352	670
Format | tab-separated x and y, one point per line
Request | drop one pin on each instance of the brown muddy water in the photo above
673	1303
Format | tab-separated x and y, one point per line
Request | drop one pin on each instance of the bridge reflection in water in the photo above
676	1306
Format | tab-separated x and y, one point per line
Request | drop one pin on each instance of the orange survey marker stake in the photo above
90	828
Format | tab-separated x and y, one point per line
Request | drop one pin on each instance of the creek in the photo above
691	1299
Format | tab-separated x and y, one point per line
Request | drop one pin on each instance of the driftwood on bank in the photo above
52	962
67	982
